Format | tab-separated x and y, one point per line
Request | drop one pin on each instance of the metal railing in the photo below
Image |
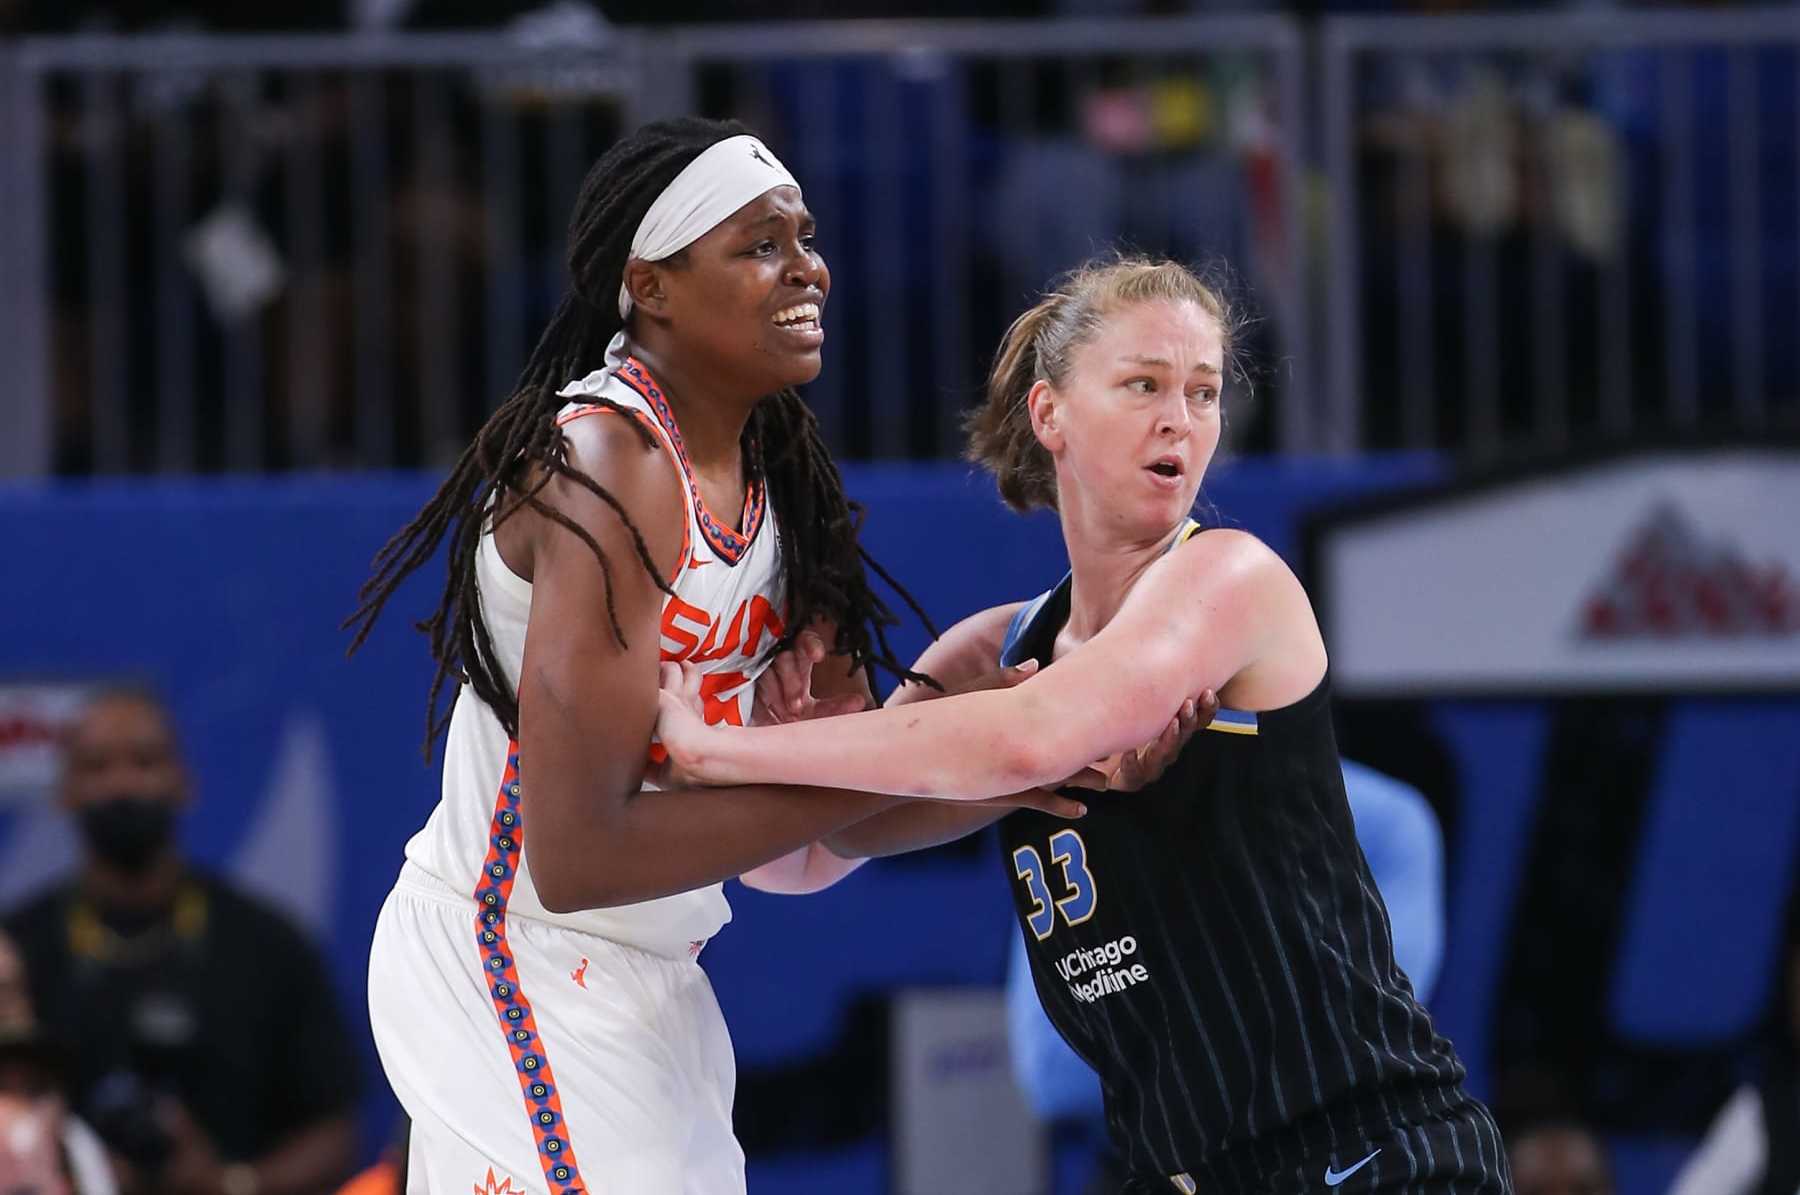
1560	228
246	252
296	252
299	252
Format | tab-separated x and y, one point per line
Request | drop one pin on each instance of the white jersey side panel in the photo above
725	614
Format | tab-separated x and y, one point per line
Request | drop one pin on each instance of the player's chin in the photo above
796	366
1158	513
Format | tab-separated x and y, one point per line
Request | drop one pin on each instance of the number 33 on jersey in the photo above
1068	855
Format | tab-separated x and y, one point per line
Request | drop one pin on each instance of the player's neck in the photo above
1103	567
709	411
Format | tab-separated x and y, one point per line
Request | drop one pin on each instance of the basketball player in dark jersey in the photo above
1213	945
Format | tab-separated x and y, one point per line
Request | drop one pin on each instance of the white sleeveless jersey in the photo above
725	615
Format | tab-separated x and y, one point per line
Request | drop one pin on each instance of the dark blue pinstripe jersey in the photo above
1215	947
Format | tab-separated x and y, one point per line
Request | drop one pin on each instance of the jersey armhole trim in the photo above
668	450
1017	628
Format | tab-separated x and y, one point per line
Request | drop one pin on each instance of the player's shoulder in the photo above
1227	581
1217	545
605	435
1230	560
615	484
616	449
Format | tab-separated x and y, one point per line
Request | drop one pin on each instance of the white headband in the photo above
727	175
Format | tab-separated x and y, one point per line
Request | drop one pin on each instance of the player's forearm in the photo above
969	747
656	844
912	827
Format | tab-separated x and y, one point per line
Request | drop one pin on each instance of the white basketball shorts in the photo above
534	1058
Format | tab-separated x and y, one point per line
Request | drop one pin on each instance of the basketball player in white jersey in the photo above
653	490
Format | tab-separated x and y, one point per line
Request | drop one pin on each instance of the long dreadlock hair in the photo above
520	449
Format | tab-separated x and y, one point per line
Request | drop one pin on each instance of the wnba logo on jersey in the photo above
503	1187
697	636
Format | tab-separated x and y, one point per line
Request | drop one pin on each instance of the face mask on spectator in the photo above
129	832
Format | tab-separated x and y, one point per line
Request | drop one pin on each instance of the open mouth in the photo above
1167	467
801	317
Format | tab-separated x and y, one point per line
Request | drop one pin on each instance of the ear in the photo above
643	279
1044	407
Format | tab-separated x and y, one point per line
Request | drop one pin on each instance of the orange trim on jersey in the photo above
600	408
729	545
649	425
506	836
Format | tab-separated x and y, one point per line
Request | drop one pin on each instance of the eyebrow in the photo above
806	217
1163	362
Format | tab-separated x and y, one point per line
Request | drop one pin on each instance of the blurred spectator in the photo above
1400	837
1754	1143
1559	1158
1165	160
30	1155
1132	153
204	1043
15	997
43	1148
1472	177
1557	1046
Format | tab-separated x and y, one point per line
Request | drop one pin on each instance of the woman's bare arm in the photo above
1200	618
588	705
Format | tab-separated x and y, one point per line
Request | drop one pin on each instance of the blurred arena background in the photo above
1521	402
